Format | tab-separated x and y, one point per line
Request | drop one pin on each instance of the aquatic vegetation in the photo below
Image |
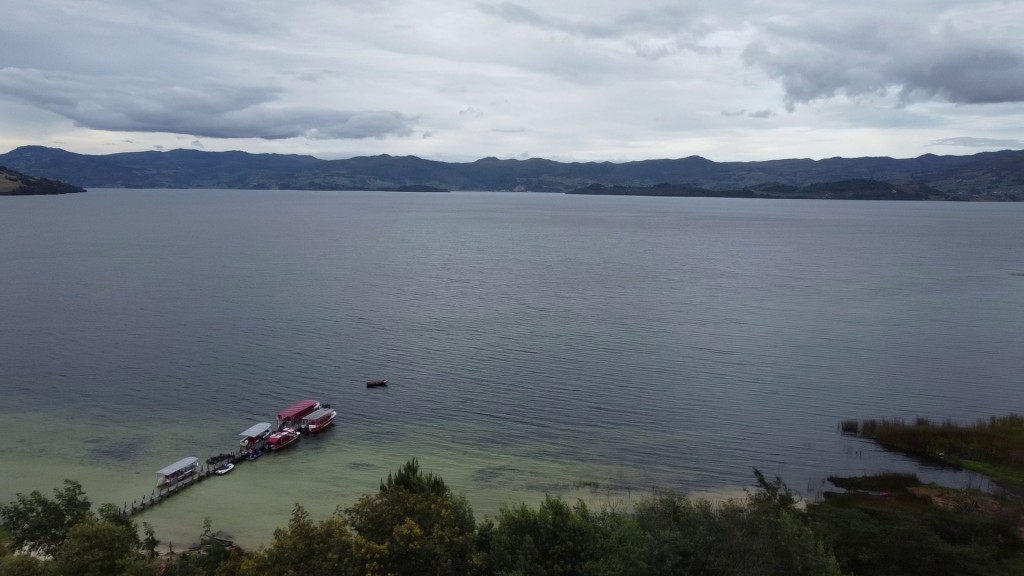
884	482
993	447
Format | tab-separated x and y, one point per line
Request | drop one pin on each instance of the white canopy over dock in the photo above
180	465
256	430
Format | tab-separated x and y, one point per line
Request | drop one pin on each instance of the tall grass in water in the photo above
994	447
850	426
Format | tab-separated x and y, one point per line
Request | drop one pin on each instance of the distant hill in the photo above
983	176
17	184
856	189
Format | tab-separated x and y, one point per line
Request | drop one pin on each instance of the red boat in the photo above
318	420
296	412
282	439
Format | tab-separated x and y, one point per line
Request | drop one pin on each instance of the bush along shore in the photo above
888	524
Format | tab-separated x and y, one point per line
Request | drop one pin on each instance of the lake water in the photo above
586	346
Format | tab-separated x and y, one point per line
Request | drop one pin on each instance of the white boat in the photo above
180	470
318	420
224	468
255	434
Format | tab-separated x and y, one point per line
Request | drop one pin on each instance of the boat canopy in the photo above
183	464
298	410
314	416
256	430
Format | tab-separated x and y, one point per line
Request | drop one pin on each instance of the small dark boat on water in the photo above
377	384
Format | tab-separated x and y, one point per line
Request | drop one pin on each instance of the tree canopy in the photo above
415	525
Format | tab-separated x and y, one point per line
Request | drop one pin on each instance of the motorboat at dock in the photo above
253	435
318	420
224	468
307	416
296	413
180	470
282	439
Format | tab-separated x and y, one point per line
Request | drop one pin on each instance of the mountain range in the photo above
985	176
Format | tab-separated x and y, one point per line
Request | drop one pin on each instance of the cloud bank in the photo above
211	110
828	53
564	79
970	142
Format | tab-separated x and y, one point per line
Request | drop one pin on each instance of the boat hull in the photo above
320	421
282	440
313	429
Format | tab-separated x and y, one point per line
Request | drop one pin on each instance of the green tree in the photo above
305	548
621	546
149	543
901	541
414	525
774	495
40	524
409	478
554	540
24	565
112	514
213	557
98	548
733	538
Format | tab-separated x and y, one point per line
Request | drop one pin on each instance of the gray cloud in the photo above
652	34
590	79
209	110
832	53
758	114
971	142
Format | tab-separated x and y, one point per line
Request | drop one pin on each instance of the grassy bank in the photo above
893	524
993	447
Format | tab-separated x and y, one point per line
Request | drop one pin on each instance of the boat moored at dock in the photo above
282	439
318	420
255	434
224	468
307	417
180	470
296	413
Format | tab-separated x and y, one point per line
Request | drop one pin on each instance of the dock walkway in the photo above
162	493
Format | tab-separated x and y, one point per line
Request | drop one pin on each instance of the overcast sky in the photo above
458	80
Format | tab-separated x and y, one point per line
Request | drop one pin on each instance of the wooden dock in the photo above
162	493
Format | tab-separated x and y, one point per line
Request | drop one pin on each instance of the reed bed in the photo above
994	447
